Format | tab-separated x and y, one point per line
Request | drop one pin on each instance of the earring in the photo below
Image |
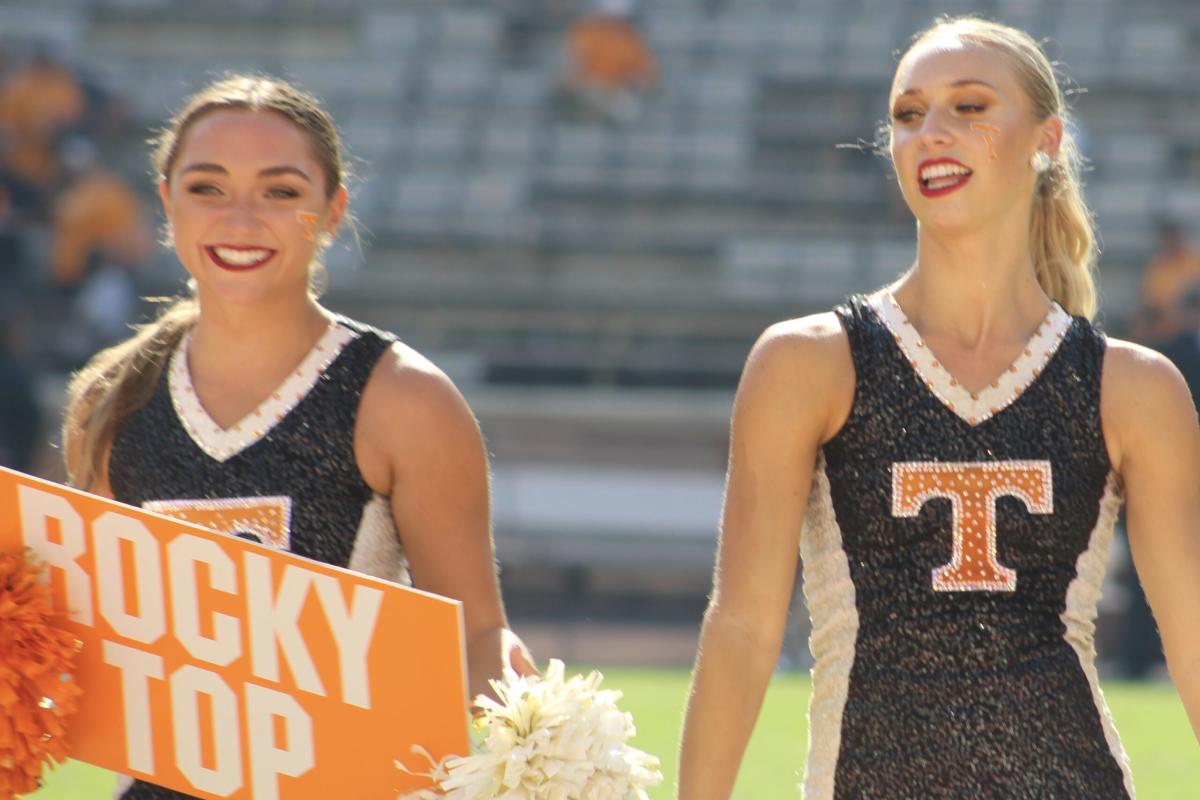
1040	161
324	240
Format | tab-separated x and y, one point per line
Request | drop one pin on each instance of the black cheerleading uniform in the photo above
953	553
285	475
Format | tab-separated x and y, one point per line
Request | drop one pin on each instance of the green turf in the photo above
1165	754
1154	729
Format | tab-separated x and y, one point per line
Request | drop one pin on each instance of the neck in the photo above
973	287
245	339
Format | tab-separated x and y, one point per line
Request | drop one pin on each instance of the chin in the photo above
950	221
222	289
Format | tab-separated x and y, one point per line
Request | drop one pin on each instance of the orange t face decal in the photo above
267	519
309	220
987	130
972	489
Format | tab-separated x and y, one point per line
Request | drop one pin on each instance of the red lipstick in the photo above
947	175
238	258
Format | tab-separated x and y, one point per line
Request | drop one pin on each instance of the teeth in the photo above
241	258
943	171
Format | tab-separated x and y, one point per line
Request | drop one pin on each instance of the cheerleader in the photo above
253	404
955	447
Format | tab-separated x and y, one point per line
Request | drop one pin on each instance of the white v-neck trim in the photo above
992	399
224	443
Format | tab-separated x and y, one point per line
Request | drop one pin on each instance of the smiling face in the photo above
247	201
963	130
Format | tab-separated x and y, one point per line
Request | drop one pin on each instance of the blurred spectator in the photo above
109	114
610	65
38	104
97	216
1184	348
1167	281
1138	654
20	416
12	245
100	237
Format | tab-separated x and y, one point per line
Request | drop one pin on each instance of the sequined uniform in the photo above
953	553
285	475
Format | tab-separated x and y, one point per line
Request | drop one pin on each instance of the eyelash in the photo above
277	193
908	114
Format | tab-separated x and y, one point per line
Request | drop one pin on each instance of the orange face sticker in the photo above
309	220
972	489
987	131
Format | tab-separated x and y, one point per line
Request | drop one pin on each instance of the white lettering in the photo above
352	631
274	618
150	622
182	556
37	509
225	777
137	667
267	759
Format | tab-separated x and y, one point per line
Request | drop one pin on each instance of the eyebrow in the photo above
956	84
205	166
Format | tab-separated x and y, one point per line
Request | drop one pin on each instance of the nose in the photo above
242	213
935	129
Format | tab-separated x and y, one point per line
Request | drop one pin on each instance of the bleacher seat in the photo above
521	90
63	25
425	193
454	109
443	137
395	30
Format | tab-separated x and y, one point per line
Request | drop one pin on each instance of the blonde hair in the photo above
1061	232
120	380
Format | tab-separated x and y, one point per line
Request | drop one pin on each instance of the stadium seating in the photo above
531	248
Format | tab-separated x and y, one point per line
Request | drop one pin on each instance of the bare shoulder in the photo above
814	342
823	327
1144	399
411	414
406	385
1133	371
802	369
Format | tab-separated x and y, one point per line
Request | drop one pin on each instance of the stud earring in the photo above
1040	161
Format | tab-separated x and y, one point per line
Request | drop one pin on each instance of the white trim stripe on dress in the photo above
222	444
978	407
1079	615
832	603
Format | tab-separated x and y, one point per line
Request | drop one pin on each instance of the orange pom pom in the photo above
37	685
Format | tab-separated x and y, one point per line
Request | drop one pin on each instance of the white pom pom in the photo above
549	738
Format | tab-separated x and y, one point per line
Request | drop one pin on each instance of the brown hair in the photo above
256	93
1061	233
120	380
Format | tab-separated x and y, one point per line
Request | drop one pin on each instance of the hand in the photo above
517	655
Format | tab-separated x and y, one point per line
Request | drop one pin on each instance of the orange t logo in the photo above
268	519
972	489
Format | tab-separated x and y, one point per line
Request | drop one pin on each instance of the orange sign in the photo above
227	669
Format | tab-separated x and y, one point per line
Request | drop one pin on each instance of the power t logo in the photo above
972	489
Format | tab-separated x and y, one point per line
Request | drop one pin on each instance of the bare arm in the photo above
1151	425
795	392
418	440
